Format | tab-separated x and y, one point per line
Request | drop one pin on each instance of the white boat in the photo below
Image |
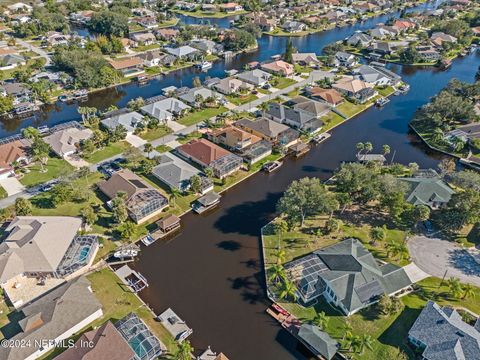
125	253
272	166
320	137
204	65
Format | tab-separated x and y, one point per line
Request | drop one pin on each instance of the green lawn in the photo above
107	152
55	168
241	99
163	148
331	120
183	139
3	193
197	116
144	48
389	90
280	82
350	109
209	14
153	134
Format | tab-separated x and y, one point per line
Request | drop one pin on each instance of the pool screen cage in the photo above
78	254
141	340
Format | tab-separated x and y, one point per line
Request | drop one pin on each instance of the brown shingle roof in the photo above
108	344
12	151
122	181
126	63
203	150
331	96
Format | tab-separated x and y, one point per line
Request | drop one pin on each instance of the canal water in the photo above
211	273
268	46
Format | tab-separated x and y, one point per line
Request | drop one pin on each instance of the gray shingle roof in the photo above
174	172
427	191
128	120
51	316
318	340
445	335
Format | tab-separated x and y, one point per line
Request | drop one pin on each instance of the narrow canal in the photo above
211	273
268	45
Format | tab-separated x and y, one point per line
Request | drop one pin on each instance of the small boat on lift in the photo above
204	65
271	166
382	102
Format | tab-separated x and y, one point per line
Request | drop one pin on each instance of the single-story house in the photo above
382	32
347	275
232	137
129	120
359	38
207	46
308	59
192	96
328	96
255	77
184	52
207	154
148	22
355	89
142	200
279	67
440	333
167	34
128	66
230	7
151	58
165	109
293	26
176	173
438	38
256	152
10	61
428	53
64	142
316	108
145	38
18	152
296	117
345	59
269	130
53	318
231	85
430	191
16	90
377	75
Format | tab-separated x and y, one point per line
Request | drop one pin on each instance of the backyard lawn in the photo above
281	82
195	116
107	152
331	120
55	168
163	148
153	134
241	99
350	109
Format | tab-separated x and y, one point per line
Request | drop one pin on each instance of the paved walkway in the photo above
440	258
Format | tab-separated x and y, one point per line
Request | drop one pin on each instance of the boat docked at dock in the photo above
76	95
204	65
271	166
174	325
317	139
129	251
206	202
382	102
165	226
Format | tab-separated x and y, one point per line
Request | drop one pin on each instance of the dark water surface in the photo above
211	273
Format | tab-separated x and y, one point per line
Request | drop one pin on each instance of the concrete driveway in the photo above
135	141
12	186
435	256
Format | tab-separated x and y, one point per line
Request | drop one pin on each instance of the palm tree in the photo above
386	149
277	274
289	290
437	135
468	291
148	148
363	342
280	255
174	195
348	340
454	287
30	133
264	107
368	147
184	351
360	147
280	226
347	328
377	234
396	249
321	320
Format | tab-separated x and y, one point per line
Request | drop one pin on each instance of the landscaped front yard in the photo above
241	99
153	134
281	82
196	116
55	168
331	120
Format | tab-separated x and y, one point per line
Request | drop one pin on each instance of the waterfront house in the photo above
355	89
438	38
294	26
231	85
145	38
305	59
42	247
371	158
128	66
296	117
344	59
81	17
148	22
359	39
431	191
65	142
130	120
53	318
377	75
329	96
382	32
387	47
316	108
317	341
12	153
17	91
404	24
103	342
440	333
255	77
279	67
207	154
207	46
19	7
165	109
184	52
272	131
176	173
265	23
142	200
167	59
195	96
211	355
151	58
428	53
230	7
233	138
347	275
256	152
